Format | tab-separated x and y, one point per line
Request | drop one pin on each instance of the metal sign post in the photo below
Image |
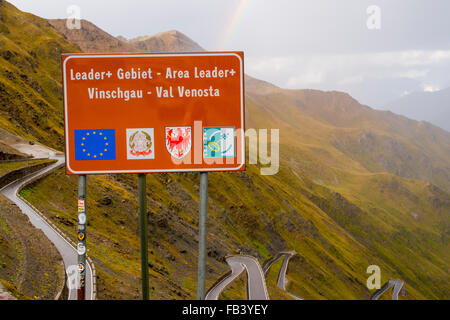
202	236
144	233
81	237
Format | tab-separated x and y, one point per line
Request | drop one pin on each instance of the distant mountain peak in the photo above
163	34
424	105
166	41
122	38
91	38
173	33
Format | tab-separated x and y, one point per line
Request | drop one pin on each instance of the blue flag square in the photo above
95	144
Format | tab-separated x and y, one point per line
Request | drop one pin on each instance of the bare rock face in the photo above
90	38
169	41
105	201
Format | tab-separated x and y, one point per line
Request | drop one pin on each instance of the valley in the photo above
355	186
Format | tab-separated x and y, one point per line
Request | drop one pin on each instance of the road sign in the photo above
139	113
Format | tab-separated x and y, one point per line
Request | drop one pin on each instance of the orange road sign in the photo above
139	113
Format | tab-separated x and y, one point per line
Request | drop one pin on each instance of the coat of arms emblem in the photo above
140	144
178	141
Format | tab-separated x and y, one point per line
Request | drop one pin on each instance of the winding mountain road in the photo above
68	252
282	281
256	285
396	290
236	270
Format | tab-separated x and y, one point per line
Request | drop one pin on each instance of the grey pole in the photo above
202	235
144	234
81	237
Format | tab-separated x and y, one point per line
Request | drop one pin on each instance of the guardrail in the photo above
9	177
21	159
61	233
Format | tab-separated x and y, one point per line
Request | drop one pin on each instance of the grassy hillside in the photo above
333	127
260	222
356	187
30	76
271	282
24	270
258	215
10	166
30	265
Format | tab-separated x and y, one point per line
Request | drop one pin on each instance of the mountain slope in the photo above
168	41
337	200
433	107
90	38
30	76
332	139
356	137
30	265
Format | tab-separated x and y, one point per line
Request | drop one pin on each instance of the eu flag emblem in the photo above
95	144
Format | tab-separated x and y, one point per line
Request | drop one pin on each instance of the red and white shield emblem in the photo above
178	141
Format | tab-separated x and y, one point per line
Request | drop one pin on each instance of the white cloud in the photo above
297	44
270	64
430	88
351	80
412	73
345	69
374	78
410	58
305	79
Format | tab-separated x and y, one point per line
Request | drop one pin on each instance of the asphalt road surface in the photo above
236	270
397	284
282	281
256	285
67	251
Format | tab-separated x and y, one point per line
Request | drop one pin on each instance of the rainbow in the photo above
232	25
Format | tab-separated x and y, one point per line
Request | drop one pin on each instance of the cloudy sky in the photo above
377	50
